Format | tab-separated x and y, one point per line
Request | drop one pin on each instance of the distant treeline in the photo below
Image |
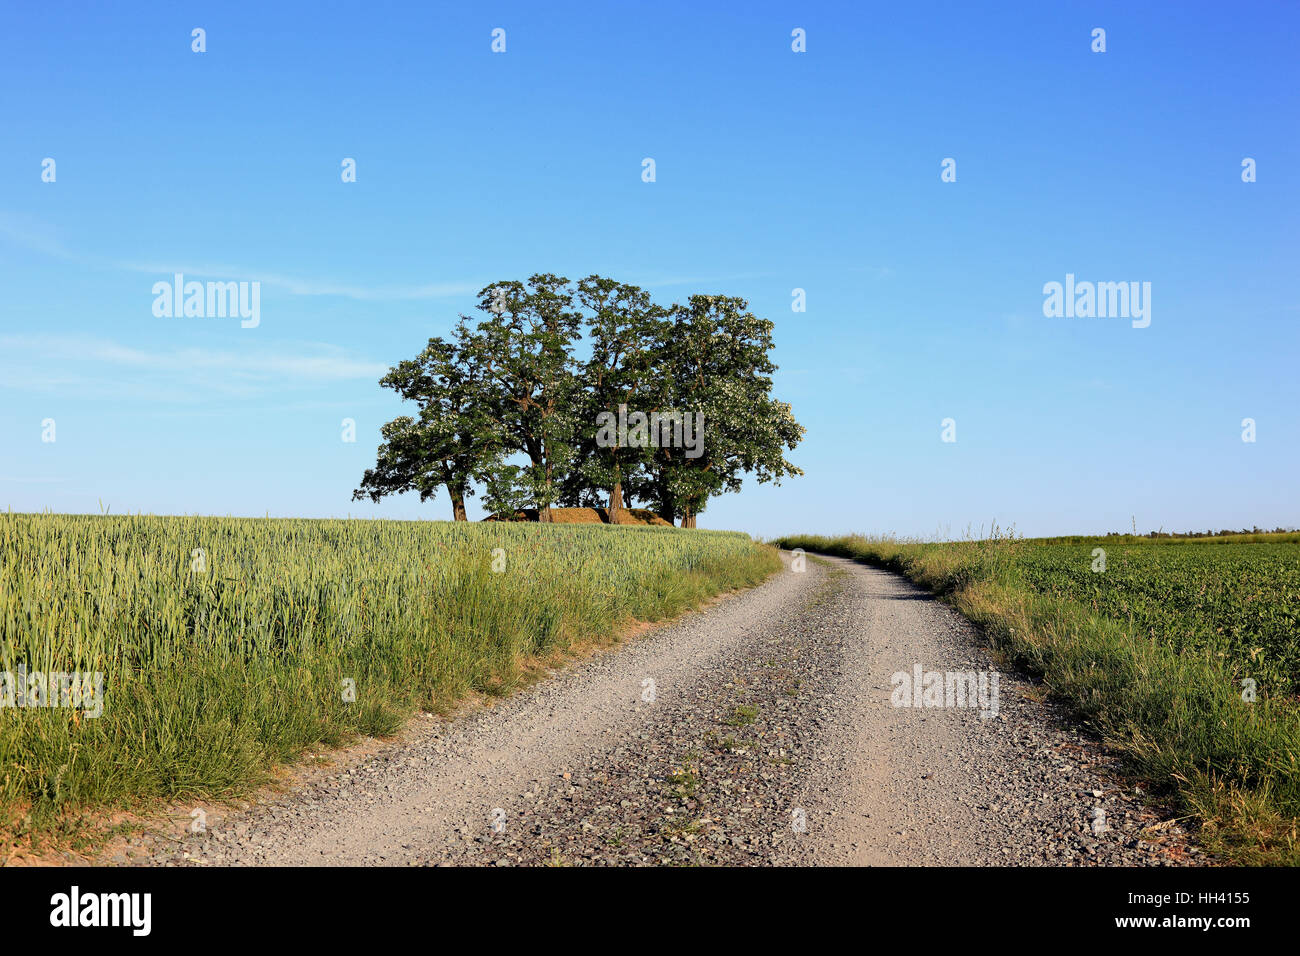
1246	536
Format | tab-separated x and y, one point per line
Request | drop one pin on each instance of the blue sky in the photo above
775	170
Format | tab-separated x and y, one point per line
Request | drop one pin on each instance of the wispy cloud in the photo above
329	364
31	235
300	286
39	238
46	363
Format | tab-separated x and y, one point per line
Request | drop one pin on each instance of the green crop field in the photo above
1183	654
227	645
1237	601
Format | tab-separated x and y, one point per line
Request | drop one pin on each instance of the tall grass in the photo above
222	663
1176	711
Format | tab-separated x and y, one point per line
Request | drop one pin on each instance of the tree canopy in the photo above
588	394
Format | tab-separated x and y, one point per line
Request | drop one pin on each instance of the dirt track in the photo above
768	736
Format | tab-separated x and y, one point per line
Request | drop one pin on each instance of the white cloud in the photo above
32	235
45	362
40	238
300	286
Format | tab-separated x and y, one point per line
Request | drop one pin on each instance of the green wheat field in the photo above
230	645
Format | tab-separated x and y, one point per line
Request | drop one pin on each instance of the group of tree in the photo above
513	404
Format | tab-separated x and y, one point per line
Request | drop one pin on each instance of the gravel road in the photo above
759	731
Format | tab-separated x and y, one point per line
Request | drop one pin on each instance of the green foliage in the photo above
524	355
454	441
1237	602
510	406
626	333
715	363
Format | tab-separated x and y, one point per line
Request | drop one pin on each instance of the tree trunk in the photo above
667	505
456	489
667	511
544	515
688	517
616	499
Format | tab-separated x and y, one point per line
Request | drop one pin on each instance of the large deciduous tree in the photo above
716	366
524	350
451	443
625	330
